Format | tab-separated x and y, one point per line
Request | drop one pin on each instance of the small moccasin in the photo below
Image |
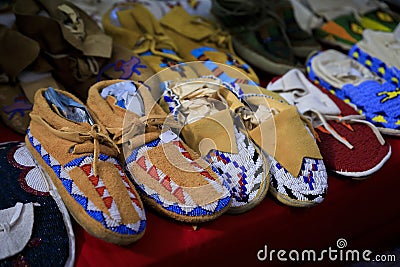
81	160
214	131
170	176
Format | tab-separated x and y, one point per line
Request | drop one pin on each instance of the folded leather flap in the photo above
97	45
233	102
16	52
63	22
298	90
212	132
285	137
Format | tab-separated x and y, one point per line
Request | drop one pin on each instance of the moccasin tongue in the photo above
181	21
146	20
214	129
67	107
94	42
232	101
297	90
127	21
285	137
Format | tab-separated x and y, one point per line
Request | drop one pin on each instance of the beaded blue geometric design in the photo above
390	74
68	183
175	207
171	100
198	53
134	155
127	67
380	103
310	185
244	173
167	62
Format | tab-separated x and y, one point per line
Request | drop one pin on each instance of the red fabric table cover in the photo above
366	213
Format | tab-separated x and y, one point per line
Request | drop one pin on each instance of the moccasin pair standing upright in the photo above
269	127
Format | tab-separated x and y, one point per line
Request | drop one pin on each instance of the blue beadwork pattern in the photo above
175	208
125	68
310	185
188	208
167	62
374	64
380	103
166	51
245	172
95	213
21	106
171	100
199	53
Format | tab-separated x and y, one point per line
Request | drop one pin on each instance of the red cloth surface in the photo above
366	213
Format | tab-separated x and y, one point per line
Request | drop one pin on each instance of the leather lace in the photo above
94	136
317	118
150	43
135	128
251	121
